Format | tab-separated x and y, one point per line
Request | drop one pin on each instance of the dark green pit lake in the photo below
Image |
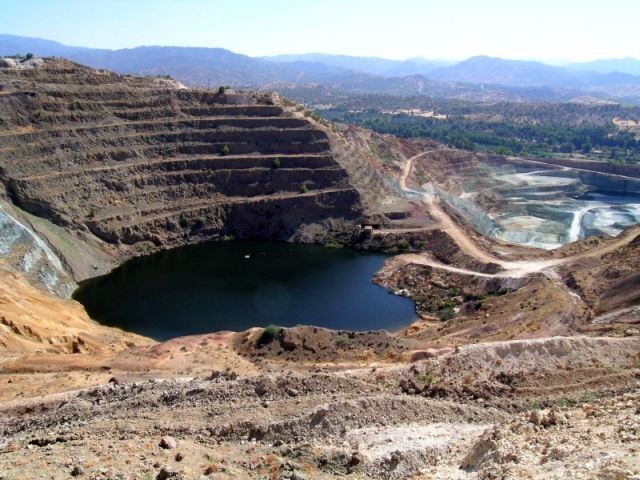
213	286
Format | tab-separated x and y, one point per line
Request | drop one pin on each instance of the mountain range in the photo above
479	77
624	65
498	71
374	65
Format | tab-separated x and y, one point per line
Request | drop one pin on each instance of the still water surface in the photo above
212	286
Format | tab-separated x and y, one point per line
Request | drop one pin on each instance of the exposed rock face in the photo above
25	252
145	160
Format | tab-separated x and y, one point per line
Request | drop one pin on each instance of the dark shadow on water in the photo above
212	286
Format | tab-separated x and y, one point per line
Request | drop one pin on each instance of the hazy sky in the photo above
577	30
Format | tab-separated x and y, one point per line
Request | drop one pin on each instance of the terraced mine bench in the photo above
144	159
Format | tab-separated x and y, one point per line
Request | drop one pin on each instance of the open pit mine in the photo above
523	360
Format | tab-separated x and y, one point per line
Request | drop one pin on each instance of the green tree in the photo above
226	150
447	314
222	89
566	147
276	163
29	55
503	151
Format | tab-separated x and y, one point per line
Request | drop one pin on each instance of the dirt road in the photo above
406	169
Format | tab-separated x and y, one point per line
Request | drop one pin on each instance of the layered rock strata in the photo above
132	160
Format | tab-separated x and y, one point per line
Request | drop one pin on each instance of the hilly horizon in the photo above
15	44
202	66
624	65
498	71
374	65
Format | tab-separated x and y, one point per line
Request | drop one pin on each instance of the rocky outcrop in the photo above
24	251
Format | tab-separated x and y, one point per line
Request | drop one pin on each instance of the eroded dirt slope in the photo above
32	320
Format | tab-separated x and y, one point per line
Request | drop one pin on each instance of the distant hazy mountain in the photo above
478	78
498	71
197	66
595	79
13	44
192	65
374	65
624	65
417	66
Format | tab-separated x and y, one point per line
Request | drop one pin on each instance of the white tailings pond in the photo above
544	209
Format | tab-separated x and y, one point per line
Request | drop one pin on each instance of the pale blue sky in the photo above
578	30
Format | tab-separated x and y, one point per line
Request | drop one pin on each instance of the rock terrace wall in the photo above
144	159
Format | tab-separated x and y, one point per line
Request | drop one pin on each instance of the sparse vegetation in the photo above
447	313
428	376
567	402
342	341
403	245
92	212
538	129
499	293
269	334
